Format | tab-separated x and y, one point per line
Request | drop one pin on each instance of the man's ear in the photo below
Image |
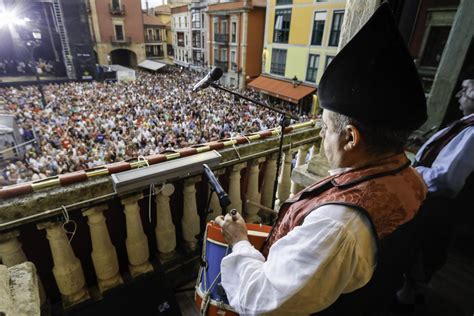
352	137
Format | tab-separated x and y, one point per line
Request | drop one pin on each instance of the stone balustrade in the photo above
115	240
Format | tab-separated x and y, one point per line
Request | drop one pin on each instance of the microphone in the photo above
224	200
213	75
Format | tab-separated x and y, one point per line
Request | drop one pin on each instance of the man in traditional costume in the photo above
337	246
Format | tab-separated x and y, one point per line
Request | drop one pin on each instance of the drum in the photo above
210	296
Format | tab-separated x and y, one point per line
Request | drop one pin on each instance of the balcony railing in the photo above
152	39
117	9
121	42
221	38
113	244
223	64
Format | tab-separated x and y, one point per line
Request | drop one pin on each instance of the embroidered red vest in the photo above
389	193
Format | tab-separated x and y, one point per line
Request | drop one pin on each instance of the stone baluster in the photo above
314	150
253	194
165	231
284	181
67	268
11	253
190	221
234	188
300	160
104	255
269	181
136	242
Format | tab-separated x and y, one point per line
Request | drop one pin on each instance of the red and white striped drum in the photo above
210	296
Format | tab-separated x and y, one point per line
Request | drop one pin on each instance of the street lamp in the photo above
33	44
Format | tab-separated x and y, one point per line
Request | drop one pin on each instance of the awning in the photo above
151	65
281	89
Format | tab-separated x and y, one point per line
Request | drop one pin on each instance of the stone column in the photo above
104	256
234	188
268	181
12	253
136	242
165	231
284	181
300	160
67	268
253	194
190	220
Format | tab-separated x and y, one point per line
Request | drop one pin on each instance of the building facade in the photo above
155	37
181	29
199	24
301	38
163	14
235	40
117	29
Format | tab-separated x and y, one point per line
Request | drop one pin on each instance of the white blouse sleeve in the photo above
331	253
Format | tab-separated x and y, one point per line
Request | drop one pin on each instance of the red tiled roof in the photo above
281	89
152	20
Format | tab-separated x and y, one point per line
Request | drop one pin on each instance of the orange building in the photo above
235	38
117	31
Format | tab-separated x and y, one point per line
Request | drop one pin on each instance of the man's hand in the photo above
233	230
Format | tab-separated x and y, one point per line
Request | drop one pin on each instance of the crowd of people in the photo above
88	124
13	67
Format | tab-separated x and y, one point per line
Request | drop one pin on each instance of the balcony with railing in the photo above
89	239
124	41
152	39
117	9
221	38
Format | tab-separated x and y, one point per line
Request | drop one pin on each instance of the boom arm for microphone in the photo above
224	199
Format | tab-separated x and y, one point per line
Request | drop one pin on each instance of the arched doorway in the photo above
123	57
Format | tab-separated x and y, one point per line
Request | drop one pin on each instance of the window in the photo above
185	40
232	56
328	61
116	4
119	34
216	29
312	71
224	54
179	23
282	26
180	36
185	22
336	28
196	23
234	32
318	28
434	46
278	62
283	2
149	34
223	27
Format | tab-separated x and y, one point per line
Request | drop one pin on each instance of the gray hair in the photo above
379	140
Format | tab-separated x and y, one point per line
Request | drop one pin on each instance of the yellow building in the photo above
301	39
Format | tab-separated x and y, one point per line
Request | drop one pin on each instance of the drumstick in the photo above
233	213
262	207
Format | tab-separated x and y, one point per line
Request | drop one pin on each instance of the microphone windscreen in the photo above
216	74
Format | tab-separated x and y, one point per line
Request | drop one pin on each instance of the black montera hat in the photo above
373	78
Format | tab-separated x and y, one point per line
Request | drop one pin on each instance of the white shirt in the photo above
331	253
452	166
